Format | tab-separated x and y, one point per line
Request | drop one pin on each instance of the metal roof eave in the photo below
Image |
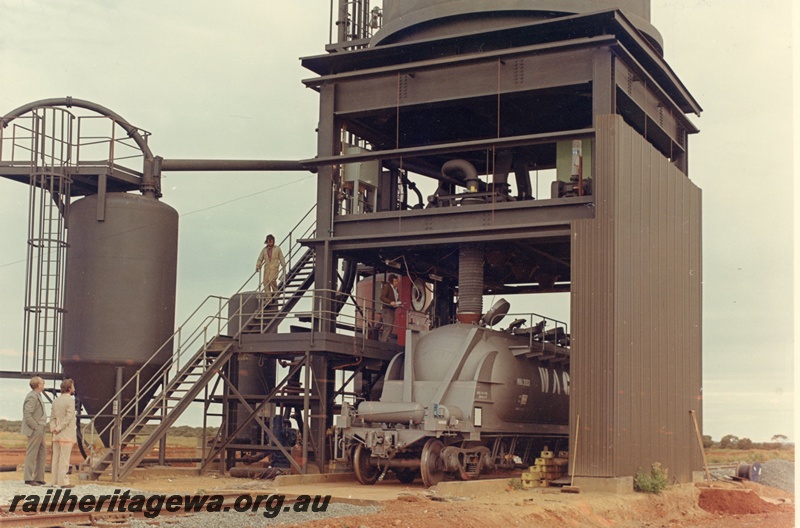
595	24
686	101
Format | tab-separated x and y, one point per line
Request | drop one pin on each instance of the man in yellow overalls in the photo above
271	258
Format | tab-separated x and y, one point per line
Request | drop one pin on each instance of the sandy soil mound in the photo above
734	502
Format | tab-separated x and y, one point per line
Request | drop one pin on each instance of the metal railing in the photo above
353	22
97	140
544	337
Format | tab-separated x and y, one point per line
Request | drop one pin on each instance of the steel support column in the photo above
603	92
328	139
321	406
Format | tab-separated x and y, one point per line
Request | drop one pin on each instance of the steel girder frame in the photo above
417	109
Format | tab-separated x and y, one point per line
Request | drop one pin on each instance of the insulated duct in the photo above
470	283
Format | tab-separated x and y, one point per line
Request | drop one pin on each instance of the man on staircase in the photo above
271	258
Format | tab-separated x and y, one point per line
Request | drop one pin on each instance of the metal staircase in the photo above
142	422
254	413
176	396
274	310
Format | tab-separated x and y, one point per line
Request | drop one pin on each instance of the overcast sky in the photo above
214	79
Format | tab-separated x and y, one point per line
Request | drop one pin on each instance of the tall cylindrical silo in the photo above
119	295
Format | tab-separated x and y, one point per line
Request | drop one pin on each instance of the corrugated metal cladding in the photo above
636	366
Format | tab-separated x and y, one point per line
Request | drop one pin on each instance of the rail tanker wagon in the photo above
460	400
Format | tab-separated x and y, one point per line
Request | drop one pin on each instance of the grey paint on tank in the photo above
255	373
516	394
120	291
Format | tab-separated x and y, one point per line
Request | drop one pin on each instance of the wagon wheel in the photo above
431	466
406	475
365	473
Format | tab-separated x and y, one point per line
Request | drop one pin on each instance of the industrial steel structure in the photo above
472	100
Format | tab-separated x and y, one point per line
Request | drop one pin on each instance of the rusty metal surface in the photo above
636	312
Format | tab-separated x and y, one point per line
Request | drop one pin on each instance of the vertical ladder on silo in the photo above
49	197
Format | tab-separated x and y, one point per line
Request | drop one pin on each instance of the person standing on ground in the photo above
64	429
271	258
34	420
390	298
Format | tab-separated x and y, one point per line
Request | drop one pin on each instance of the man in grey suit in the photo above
34	420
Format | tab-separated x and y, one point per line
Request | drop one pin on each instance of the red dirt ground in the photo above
725	505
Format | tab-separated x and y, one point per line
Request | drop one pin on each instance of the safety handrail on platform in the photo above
547	338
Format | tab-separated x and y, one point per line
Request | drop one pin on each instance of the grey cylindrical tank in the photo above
521	390
405	20
241	308
119	294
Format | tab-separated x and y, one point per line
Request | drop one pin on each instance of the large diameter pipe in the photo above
200	165
391	412
470	283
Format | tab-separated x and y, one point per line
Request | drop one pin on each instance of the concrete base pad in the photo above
470	488
605	484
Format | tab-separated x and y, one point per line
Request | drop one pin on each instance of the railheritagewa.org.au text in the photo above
63	500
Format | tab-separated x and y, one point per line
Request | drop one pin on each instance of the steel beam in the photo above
457	80
467	59
544	232
445	148
509	220
84	176
199	165
291	344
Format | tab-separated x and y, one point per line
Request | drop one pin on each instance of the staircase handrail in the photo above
294	244
175	359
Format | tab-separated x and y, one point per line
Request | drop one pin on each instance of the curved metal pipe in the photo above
149	186
459	169
413	187
69	102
